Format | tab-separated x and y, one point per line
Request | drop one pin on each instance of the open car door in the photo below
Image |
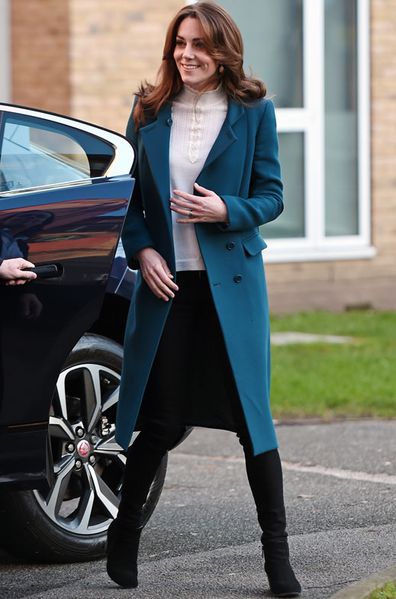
65	186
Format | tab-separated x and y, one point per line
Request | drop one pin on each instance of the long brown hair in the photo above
223	42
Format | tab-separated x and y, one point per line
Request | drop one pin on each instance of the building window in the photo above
314	58
341	131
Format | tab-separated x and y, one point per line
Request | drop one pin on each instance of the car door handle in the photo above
47	271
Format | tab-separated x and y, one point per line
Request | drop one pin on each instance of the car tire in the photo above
70	523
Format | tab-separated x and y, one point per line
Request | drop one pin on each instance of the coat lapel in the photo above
227	135
155	137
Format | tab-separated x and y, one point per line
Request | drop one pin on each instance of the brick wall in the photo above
115	45
86	58
40	54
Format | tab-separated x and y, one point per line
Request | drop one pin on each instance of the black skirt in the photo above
191	381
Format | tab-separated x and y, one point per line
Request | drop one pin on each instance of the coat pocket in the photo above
254	244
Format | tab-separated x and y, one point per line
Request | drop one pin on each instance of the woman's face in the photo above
197	69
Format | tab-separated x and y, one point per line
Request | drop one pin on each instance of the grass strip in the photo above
388	591
331	380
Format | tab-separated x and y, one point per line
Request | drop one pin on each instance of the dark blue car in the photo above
65	186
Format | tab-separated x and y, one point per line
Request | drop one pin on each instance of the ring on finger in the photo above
190	213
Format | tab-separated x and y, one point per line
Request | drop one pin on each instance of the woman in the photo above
197	338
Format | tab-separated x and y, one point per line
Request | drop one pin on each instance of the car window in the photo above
36	152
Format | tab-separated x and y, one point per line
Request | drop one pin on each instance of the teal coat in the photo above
242	167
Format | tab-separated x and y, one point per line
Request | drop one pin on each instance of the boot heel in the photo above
281	578
122	552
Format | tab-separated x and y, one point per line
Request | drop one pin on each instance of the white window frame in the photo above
310	121
5	53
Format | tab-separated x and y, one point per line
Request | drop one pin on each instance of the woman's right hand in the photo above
156	273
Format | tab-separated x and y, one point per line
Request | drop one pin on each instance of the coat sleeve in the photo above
135	235
265	201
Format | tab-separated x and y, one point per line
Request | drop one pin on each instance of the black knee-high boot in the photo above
124	532
143	460
265	478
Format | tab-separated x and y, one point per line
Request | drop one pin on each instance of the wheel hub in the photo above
84	448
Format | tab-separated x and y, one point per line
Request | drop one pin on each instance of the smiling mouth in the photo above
190	67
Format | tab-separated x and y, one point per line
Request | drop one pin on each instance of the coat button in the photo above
230	245
237	278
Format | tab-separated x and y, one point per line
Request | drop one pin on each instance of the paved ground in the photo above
202	542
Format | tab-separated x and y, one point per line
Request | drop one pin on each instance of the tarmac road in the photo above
203	540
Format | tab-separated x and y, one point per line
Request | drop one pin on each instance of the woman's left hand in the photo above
208	207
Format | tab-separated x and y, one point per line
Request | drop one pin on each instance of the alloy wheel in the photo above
88	463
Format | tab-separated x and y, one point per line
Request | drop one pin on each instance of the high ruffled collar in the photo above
212	96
